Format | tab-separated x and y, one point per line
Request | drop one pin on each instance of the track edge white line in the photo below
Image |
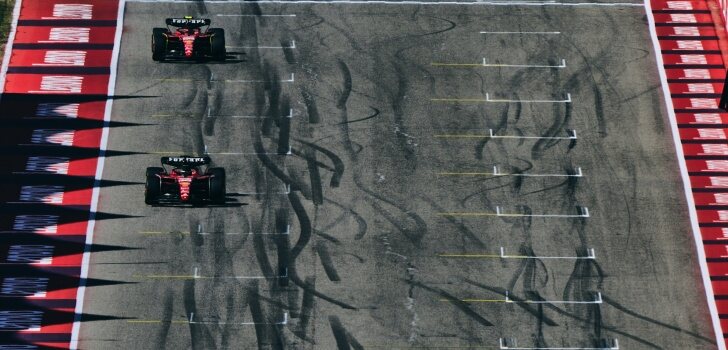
9	45
80	293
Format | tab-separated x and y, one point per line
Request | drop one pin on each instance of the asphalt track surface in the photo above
363	259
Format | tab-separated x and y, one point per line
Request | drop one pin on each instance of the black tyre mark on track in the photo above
256	312
556	129
166	320
460	305
327	237
288	52
307	287
303	222
398	111
346	92
344	339
327	262
311	109
518	301
457	223
335	159
200	337
307	307
415	234
376	113
599	111
611	302
317	194
451	27
361	223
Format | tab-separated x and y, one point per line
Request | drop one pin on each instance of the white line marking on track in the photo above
497	172
491	134
583	213
486	64
97	178
687	186
590	255
597	300
488	99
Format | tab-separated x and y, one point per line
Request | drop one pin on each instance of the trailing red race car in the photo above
186	183
184	38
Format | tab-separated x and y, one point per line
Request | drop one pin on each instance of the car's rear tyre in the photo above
217	185
153	185
217	44
159	44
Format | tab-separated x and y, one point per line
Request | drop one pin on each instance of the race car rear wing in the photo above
185	160
188	22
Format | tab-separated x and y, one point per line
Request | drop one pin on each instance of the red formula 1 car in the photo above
184	38
186	183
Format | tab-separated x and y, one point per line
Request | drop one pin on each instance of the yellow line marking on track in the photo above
467	65
473	214
187	277
486	256
479	136
455	100
471	174
478	300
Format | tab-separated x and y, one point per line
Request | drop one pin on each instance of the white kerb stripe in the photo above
710	296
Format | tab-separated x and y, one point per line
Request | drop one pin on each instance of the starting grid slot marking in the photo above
492	135
497	172
487	99
597	300
511	344
583	213
500	65
590	255
201	232
196	275
209	115
191	320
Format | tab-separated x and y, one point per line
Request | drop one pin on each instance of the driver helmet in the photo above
182	171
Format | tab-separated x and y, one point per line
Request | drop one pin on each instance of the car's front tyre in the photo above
217	44
217	185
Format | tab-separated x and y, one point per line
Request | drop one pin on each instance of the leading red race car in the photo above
184	38
186	183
